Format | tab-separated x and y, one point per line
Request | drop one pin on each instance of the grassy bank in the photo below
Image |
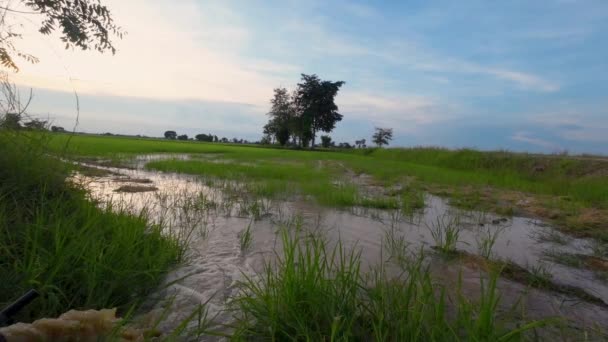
74	253
571	192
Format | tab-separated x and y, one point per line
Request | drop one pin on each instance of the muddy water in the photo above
216	261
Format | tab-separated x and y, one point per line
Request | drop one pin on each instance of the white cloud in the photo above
529	139
172	51
572	125
402	112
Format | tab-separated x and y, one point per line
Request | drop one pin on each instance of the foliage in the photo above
35	124
281	115
171	135
57	129
382	136
85	24
205	137
266	140
56	241
360	143
311	108
10	121
182	137
315	104
326	141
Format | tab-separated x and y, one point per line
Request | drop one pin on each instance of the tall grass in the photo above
75	253
316	291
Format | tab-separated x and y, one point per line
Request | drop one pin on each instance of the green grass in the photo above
76	254
567	185
445	231
316	291
577	179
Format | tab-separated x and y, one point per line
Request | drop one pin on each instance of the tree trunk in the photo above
314	134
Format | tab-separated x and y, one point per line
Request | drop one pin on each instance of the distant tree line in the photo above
15	121
299	116
172	135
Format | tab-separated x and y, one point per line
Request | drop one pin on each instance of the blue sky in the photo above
520	75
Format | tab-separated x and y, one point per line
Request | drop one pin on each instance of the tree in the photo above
382	136
224	140
215	138
35	124
360	143
57	129
281	114
314	102
10	121
204	137
182	137
85	24
265	140
170	135
326	141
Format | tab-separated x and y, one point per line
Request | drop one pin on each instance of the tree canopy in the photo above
314	101
382	136
281	114
308	110
171	135
84	24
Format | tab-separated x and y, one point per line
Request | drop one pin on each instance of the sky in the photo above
518	75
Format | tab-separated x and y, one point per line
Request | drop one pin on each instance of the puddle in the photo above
216	262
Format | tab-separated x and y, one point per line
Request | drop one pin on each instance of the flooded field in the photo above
232	234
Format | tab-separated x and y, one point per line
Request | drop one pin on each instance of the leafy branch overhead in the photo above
84	24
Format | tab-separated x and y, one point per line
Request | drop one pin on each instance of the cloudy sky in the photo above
520	75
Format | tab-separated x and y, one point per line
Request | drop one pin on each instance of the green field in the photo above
52	237
572	192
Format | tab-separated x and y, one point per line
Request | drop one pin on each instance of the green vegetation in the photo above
445	231
316	292
245	238
75	253
572	192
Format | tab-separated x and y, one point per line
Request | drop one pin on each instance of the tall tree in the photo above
382	136
315	105
85	24
171	135
281	114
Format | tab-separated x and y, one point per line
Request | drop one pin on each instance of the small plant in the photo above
486	239
445	231
397	245
412	201
539	276
245	238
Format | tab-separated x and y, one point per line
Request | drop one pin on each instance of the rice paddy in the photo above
257	243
